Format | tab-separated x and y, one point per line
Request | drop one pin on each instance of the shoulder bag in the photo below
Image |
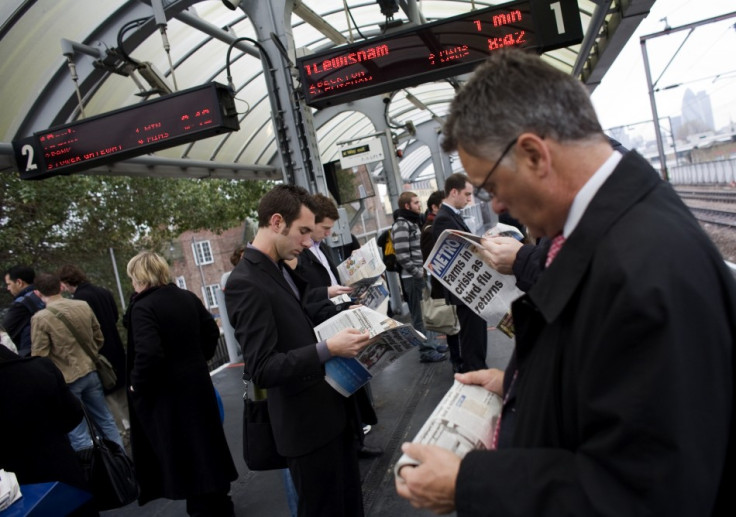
438	316
259	447
107	374
109	472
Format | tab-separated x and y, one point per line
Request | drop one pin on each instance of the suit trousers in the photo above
327	480
473	339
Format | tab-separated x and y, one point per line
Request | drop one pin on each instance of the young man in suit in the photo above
314	426
473	328
606	411
317	267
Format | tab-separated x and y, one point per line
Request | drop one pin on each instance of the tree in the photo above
76	219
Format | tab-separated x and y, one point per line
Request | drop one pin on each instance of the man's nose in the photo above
498	206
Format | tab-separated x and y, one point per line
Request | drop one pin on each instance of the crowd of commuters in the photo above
605	412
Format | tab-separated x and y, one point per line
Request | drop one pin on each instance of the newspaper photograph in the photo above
456	262
464	420
390	338
363	267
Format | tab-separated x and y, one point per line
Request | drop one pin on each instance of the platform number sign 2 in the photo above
27	157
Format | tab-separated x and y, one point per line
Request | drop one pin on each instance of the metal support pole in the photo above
655	116
117	278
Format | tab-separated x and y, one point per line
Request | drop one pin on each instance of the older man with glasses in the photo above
620	398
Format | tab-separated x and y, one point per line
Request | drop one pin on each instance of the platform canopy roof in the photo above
38	92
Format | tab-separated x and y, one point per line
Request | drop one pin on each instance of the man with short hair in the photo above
317	266
620	400
314	426
427	242
55	332
101	301
473	329
406	235
17	321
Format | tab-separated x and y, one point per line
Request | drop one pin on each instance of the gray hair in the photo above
514	92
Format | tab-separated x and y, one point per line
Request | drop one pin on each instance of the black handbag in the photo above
108	470
259	447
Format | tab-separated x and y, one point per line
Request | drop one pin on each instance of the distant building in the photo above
697	115
199	259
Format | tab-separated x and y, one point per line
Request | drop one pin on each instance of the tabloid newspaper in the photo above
456	262
390	339
464	420
362	271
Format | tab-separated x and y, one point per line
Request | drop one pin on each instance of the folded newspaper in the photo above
391	339
362	271
464	420
456	262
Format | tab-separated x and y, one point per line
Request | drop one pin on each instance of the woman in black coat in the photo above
177	440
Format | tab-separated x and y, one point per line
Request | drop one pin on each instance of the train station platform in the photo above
404	395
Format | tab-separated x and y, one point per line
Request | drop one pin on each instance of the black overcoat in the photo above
624	399
106	310
37	410
178	443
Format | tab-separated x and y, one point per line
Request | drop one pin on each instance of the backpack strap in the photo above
74	332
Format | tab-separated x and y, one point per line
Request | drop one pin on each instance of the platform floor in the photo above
404	395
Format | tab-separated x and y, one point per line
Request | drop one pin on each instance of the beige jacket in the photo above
51	338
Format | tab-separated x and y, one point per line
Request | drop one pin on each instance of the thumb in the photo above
414	450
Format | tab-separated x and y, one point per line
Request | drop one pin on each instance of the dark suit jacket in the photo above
280	354
625	353
106	310
447	219
311	270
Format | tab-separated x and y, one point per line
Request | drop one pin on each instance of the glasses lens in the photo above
481	194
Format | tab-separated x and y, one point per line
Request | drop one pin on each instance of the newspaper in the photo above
362	271
464	420
390	340
455	261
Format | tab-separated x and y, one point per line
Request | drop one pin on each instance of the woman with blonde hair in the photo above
177	440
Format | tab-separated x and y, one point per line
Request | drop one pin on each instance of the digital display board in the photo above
436	50
168	121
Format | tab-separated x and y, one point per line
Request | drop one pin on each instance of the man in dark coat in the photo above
102	303
177	439
38	410
313	425
17	320
473	328
622	395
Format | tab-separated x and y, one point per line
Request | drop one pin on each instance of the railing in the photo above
221	356
721	172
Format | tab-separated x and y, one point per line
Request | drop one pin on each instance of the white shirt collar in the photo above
451	208
585	195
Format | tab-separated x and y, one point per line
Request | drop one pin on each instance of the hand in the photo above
336	290
431	485
490	379
348	342
500	253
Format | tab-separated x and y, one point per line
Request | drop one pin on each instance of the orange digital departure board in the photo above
175	119
436	50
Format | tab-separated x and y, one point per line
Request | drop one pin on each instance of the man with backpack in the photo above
406	234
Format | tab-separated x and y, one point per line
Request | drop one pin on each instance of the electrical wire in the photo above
134	24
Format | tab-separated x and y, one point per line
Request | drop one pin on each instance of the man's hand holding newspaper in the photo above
389	339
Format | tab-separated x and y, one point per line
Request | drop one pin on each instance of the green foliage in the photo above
77	219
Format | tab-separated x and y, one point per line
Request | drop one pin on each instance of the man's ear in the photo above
534	152
276	221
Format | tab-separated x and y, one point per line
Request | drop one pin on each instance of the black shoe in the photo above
432	357
369	452
442	348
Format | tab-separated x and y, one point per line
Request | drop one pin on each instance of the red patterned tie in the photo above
554	249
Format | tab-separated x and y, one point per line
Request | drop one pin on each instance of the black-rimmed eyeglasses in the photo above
479	192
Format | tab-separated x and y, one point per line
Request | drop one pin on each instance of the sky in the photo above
704	63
